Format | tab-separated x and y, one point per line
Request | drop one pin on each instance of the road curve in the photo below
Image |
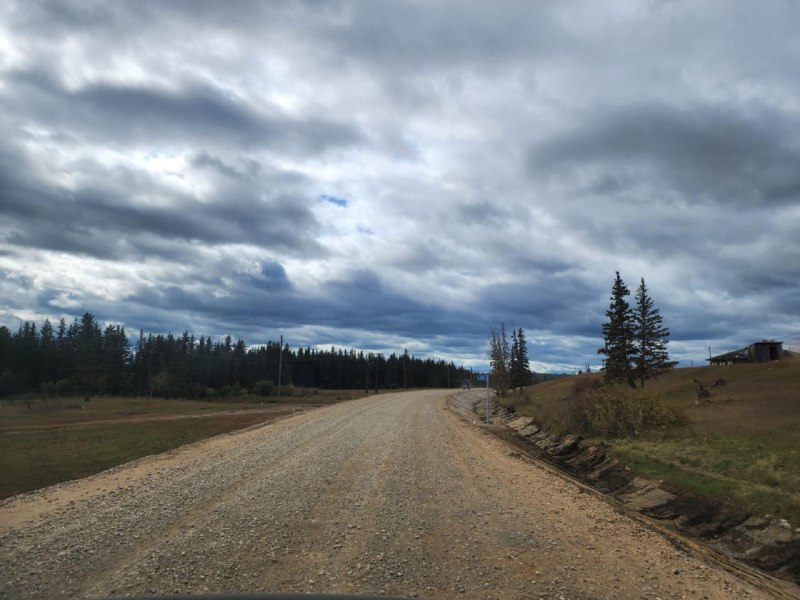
392	494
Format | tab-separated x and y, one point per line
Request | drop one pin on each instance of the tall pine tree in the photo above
514	366
520	366
526	377
650	339
618	336
500	360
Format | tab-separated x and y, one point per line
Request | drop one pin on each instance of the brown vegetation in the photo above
742	446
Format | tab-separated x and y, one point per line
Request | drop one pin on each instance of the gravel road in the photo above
393	494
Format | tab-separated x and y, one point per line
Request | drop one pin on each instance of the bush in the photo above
586	384
263	387
65	386
619	411
289	390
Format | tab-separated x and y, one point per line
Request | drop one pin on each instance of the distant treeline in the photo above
81	358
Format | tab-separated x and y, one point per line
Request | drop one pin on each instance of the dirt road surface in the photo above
394	494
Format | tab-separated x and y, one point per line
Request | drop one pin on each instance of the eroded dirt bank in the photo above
769	544
394	494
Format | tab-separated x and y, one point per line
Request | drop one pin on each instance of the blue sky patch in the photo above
337	200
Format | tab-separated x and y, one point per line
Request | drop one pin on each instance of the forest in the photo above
83	358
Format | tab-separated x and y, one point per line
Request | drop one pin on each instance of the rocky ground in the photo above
390	495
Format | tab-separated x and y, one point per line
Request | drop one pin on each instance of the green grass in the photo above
742	449
70	438
74	409
37	458
765	485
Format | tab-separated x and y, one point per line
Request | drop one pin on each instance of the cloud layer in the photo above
403	175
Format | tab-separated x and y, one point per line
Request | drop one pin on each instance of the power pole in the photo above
366	377
280	367
376	374
487	398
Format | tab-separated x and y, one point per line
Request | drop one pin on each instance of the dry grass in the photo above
743	446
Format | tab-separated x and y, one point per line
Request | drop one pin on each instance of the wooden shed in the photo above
757	352
766	351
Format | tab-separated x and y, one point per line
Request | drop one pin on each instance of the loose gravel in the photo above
387	495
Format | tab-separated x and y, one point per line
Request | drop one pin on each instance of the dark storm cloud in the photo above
267	302
104	112
552	308
100	219
434	35
728	155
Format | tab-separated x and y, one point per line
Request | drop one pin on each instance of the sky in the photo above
392	175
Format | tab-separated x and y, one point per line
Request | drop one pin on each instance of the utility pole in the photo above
366	377
280	367
487	398
376	374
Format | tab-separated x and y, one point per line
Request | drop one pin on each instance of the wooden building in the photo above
757	352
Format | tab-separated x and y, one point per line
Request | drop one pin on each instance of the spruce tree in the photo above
500	359
650	338
514	364
619	348
526	377
520	367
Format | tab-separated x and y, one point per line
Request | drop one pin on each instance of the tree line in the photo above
83	358
634	338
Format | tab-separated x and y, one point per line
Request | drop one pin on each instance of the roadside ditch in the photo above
768	544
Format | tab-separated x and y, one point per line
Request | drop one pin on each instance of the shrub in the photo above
586	384
619	411
263	387
288	390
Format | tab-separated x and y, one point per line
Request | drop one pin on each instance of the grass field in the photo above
59	441
742	448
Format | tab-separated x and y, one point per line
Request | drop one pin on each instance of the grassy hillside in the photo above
743	447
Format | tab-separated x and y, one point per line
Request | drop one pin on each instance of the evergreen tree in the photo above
8	383
650	339
619	348
514	364
500	359
63	348
47	353
524	365
88	377
115	359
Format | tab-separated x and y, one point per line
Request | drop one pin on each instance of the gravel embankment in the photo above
392	495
